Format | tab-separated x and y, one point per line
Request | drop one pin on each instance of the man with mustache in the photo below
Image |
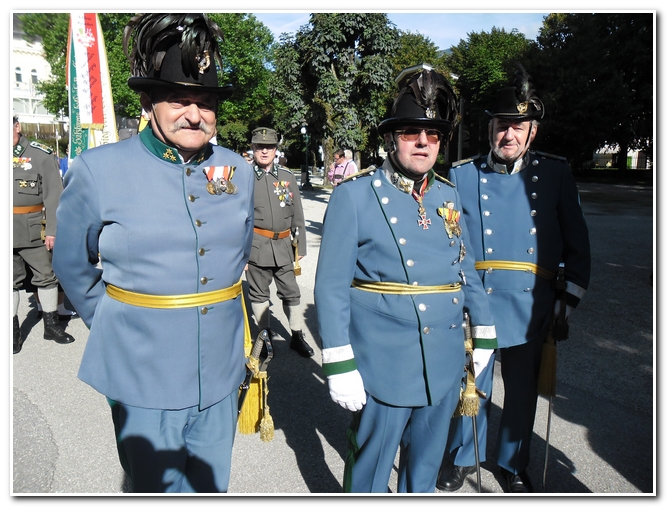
154	234
522	209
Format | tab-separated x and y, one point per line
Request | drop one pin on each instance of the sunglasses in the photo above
412	134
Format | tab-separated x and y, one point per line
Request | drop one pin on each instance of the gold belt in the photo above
181	301
23	210
402	288
273	235
516	266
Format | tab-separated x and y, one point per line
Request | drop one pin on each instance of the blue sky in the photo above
444	28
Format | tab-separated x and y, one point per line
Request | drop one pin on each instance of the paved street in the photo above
602	431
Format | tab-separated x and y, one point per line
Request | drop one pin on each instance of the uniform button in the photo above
483	165
204	311
533	231
455	301
377	183
426	330
489	290
410	263
452	242
191	198
198	223
485	197
188	171
533	212
202	251
534	178
483	180
489	250
527	289
487	213
204	280
393	220
402	241
489	270
488	232
415	283
385	200
452	326
535	162
531	250
533	195
422	307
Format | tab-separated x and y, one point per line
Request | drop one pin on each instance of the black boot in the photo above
53	331
299	344
18	339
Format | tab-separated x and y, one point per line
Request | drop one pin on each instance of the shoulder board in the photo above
441	178
465	161
549	155
354	176
42	147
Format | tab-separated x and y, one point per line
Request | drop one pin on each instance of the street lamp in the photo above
305	174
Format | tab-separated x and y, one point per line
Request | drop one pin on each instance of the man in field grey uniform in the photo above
279	224
37	187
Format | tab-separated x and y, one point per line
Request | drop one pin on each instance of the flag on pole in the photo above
92	116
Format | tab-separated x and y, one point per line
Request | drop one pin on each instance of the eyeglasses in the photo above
412	134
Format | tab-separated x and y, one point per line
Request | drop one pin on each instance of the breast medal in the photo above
282	191
451	218
219	179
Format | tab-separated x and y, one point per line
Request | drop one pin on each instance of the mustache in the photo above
185	125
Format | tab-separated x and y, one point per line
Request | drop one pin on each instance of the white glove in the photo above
480	359
568	310
347	389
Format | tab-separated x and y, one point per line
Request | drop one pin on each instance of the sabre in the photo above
547	381
253	364
471	368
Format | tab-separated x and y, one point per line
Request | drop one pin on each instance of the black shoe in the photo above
299	344
18	339
53	331
518	483
451	479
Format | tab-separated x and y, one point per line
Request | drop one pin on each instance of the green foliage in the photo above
332	75
596	73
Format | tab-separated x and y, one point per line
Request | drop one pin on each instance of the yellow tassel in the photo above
546	383
297	266
248	421
469	402
266	426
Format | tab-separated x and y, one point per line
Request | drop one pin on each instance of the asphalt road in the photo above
603	425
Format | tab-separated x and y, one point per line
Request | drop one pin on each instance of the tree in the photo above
483	64
599	72
332	75
414	49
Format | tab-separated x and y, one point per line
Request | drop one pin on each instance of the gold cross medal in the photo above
451	217
219	179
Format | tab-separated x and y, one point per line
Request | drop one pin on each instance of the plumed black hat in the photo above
174	51
426	100
518	102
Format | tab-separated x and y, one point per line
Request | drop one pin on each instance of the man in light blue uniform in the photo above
523	213
154	233
391	284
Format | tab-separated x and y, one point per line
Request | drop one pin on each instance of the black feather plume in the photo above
155	33
430	88
524	88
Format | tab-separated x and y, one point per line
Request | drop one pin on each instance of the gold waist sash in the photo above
180	301
402	288
516	266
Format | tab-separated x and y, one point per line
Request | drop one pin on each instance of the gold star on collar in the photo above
169	155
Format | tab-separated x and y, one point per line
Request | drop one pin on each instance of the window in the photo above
33	75
18	74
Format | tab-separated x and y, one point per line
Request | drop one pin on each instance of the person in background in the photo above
171	229
522	209
391	285
342	167
279	226
36	187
